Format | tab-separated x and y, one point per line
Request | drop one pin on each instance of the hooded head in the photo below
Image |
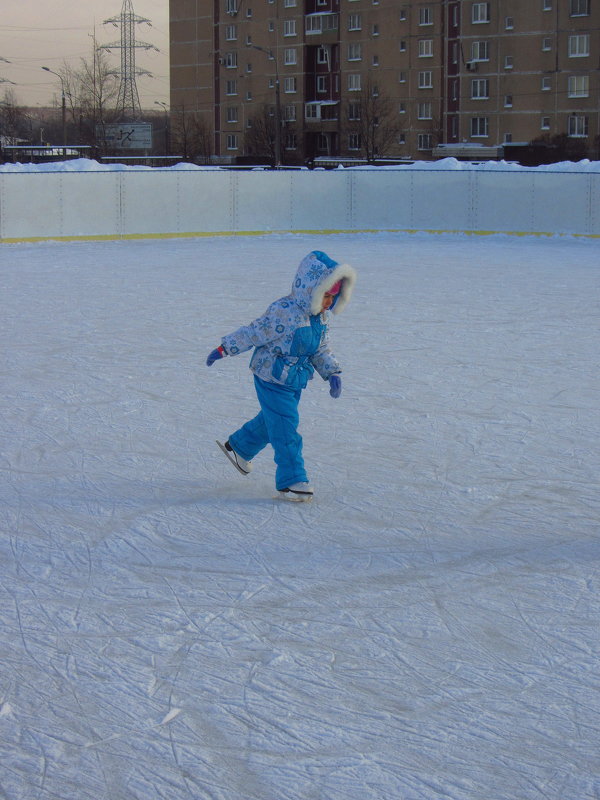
318	274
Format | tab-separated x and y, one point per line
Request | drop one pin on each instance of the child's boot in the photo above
297	492
238	462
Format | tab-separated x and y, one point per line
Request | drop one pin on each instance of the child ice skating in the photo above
291	341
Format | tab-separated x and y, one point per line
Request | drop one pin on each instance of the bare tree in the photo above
371	119
91	91
190	134
259	139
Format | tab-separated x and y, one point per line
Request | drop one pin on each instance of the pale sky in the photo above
36	33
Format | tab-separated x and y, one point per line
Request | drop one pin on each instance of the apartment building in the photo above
299	79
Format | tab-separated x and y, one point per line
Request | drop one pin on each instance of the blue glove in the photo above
335	386
215	355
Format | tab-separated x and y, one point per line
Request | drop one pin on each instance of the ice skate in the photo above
238	462
297	492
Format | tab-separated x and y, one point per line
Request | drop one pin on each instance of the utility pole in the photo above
64	108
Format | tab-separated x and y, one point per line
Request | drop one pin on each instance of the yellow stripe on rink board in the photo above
313	232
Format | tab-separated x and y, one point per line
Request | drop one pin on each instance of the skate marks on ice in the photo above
426	628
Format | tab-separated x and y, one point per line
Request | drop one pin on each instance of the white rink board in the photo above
262	201
153	202
149	202
441	201
384	202
90	204
562	200
320	201
205	202
30	202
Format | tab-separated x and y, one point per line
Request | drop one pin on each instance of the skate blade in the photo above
293	497
231	458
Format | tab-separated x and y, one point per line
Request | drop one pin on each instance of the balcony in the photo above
323	26
321	111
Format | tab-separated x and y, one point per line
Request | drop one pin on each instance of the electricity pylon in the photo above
128	100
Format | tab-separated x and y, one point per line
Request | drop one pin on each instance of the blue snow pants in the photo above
277	424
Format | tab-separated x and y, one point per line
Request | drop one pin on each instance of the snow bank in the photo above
89	165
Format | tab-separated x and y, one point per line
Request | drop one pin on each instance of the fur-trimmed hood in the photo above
316	274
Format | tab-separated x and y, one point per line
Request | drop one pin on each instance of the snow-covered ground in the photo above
426	629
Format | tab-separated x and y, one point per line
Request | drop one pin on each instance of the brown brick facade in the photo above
382	78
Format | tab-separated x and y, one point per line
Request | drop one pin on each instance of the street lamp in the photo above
167	137
64	107
277	103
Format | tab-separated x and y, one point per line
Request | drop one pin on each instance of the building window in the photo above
289	85
231	87
424	111
480	89
424	141
578	126
291	141
479	126
402	108
508	62
354	83
289	27
546	84
375	30
402	77
289	113
425	48
231	33
509	23
402	14
579	8
354	22
232	141
354	51
249	96
508	101
480	12
425	16
545	124
231	6
547	44
231	60
354	141
579	45
322	84
353	111
507	138
401	138
426	79
289	3
547	5
579	86
402	46
480	51
289	56
232	114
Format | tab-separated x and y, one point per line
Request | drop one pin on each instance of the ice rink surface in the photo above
426	629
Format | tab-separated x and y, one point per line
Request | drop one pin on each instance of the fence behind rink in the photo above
45	205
